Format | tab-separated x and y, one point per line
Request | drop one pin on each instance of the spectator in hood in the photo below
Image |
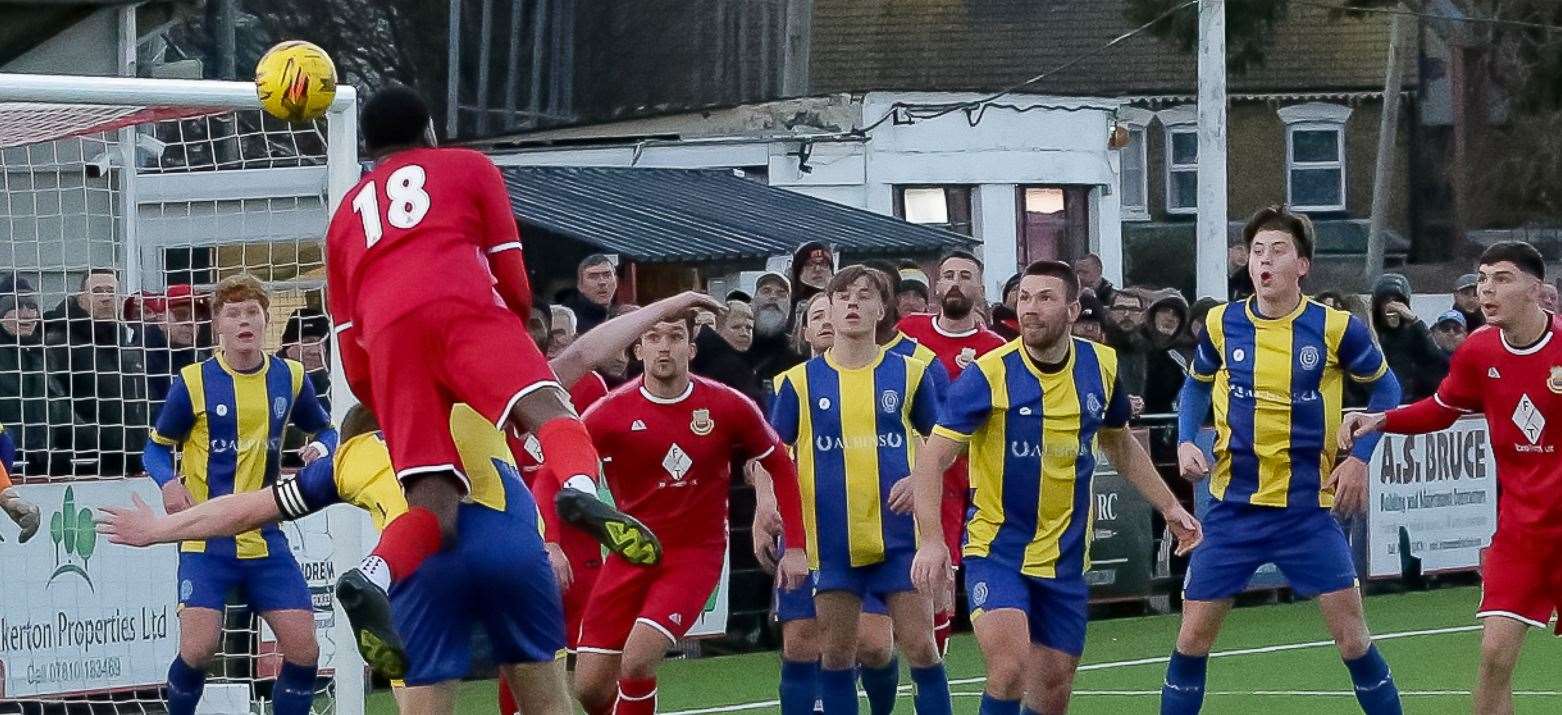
1170	350
1407	344
1467	302
596	280
107	378
721	354
913	295
1090	324
1449	332
813	264
1089	270
1197	316
772	352
35	409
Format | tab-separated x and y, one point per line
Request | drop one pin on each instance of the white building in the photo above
1030	176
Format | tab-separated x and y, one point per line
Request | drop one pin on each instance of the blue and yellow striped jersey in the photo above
229	424
1278	386
1032	453
908	346
361	474
854	434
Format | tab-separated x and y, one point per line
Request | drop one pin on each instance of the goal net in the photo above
123	202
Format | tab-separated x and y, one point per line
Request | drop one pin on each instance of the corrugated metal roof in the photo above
678	215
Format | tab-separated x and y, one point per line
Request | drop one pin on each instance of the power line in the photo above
935	110
1429	15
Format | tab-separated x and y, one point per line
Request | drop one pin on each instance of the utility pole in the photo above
1210	246
1388	125
794	70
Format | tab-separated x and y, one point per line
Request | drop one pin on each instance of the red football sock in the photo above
568	449
408	540
507	705
636	696
943	625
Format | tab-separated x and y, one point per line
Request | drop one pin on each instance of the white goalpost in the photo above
122	201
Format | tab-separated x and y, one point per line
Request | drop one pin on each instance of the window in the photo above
1182	159
1133	177
1054	223
1315	156
947	207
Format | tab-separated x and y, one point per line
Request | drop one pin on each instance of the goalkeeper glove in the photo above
21	511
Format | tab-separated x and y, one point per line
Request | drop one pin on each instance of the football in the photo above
295	81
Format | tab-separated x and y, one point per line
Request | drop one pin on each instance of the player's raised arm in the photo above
616	335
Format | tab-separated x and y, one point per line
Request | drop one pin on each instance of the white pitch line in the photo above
1295	693
741	707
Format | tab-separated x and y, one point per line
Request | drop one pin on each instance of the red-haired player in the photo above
430	296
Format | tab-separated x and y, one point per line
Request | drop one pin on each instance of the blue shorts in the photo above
1306	543
892	575
798	603
269	583
1055	609
498	578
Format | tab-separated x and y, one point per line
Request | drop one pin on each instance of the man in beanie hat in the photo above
772	353
1405	340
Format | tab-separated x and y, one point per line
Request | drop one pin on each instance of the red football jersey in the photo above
954	350
418	229
669	462
528	451
1520	392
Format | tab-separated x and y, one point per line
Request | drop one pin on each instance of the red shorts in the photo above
443	354
1521	579
585	564
957	487
668	596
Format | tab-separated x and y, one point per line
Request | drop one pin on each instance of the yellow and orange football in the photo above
296	81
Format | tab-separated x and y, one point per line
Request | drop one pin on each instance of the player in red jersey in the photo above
668	440
957	338
1510	370
429	294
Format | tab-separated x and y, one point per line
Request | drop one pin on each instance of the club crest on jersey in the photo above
1554	381
279	407
889	401
1309	357
966	356
533	448
701	423
1093	404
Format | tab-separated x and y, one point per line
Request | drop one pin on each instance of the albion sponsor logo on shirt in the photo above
826	443
1243	392
1026	449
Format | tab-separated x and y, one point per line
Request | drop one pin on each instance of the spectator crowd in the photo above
81	382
